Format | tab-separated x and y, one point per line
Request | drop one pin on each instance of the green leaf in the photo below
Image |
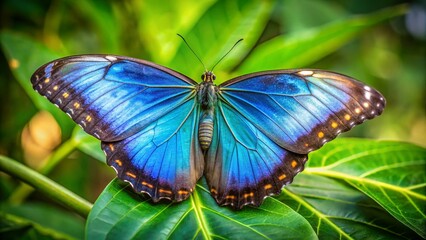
120	213
326	194
390	173
13	227
172	18
338	211
100	19
47	217
299	49
217	31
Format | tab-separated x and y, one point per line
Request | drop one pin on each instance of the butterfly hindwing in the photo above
112	97
243	165
302	110
145	115
164	159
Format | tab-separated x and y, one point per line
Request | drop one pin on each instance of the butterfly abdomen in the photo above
205	130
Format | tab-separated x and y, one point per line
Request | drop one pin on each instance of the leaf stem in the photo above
46	185
23	190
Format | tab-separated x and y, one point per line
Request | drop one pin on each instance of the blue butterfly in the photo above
161	131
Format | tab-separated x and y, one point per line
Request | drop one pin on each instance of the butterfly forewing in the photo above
302	110
112	97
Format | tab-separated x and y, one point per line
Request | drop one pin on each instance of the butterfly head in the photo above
208	76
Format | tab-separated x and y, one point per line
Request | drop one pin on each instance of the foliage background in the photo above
389	56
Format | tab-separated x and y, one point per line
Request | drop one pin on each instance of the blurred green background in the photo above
381	43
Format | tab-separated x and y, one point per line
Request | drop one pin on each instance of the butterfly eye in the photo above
214	77
203	76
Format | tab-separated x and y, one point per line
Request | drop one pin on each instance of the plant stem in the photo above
23	190
46	185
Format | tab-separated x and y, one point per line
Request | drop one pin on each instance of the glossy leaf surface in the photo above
324	195
119	213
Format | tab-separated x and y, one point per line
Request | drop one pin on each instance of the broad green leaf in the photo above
217	31
25	56
101	19
299	49
158	24
47	217
336	210
292	14
390	173
120	213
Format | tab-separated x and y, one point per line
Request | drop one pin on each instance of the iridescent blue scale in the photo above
162	131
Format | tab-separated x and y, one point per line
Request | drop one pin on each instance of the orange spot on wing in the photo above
334	125
230	197
282	177
347	117
119	163
147	185
320	134
293	163
251	194
183	192
132	175
165	191
111	147
267	186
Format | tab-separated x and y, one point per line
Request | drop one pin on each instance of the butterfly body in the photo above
162	131
207	98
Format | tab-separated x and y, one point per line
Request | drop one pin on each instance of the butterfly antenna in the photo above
227	53
192	51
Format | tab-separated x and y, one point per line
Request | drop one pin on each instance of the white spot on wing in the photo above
306	73
367	88
368	95
111	58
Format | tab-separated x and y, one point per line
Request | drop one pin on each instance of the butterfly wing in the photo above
243	164
139	110
266	124
302	110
